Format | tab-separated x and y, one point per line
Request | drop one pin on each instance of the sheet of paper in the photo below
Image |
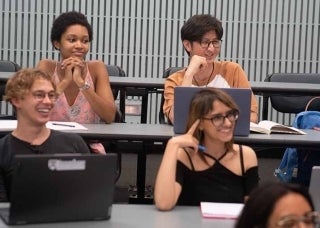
55	125
221	210
8	125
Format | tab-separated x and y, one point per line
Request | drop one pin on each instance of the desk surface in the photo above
127	131
285	88
163	132
148	83
257	87
137	216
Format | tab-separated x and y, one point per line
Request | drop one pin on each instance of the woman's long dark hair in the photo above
262	200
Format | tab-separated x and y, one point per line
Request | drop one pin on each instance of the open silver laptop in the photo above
314	187
183	97
61	187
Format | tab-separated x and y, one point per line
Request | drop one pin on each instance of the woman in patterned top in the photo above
85	95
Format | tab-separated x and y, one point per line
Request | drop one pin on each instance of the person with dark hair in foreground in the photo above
278	204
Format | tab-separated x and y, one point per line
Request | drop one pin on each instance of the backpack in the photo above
297	163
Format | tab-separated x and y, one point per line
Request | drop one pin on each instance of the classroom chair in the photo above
6	66
290	103
167	72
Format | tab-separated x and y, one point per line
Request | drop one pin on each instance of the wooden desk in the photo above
139	216
149	133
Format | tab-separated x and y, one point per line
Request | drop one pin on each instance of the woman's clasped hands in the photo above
72	69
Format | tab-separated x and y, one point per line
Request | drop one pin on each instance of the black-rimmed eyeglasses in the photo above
218	119
206	43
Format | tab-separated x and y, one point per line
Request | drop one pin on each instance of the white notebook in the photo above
221	210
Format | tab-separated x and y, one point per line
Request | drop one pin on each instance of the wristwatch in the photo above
85	86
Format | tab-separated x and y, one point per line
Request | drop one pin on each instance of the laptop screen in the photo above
62	187
184	95
314	187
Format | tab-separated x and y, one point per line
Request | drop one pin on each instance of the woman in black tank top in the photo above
204	164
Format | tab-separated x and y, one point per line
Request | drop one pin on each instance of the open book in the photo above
268	127
221	210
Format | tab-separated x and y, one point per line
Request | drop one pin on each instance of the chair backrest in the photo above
114	70
166	74
6	66
291	103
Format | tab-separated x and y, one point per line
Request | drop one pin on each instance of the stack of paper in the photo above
221	210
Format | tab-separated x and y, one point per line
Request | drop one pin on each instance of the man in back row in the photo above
201	38
32	94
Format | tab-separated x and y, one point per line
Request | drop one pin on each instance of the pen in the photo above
64	125
201	148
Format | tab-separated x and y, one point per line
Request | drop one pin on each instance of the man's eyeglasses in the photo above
218	119
40	95
311	219
206	43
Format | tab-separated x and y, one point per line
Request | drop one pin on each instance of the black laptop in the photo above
183	97
61	187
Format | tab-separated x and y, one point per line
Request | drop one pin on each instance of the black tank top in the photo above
215	184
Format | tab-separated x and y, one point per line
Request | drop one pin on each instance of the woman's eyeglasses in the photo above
40	95
310	219
218	119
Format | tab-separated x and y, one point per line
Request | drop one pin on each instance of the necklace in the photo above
198	84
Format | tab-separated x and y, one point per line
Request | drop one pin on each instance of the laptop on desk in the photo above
61	187
314	187
183	97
